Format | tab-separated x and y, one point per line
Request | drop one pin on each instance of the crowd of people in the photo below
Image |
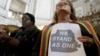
28	40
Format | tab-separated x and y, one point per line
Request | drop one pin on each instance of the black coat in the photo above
4	49
29	42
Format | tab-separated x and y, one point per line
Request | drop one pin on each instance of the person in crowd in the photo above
65	14
4	47
25	41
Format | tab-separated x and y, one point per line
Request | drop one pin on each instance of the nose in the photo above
62	7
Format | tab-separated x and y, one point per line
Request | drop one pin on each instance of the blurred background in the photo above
11	11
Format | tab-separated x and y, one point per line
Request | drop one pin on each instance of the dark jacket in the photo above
92	51
4	49
29	42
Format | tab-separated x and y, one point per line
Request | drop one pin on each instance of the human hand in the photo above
13	41
3	34
87	41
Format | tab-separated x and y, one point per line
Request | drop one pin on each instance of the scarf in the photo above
46	35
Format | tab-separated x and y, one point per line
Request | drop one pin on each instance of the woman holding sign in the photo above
68	37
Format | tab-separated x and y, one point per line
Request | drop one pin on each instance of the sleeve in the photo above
93	49
85	32
36	48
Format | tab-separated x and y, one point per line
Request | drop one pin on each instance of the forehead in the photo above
62	1
26	16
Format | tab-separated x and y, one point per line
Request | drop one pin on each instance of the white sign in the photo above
64	40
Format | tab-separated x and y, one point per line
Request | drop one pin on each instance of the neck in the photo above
64	18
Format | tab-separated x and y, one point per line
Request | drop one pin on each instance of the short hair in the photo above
32	18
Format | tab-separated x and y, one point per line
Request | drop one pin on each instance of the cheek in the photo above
57	9
68	9
27	22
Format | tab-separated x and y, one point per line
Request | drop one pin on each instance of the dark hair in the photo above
72	16
32	18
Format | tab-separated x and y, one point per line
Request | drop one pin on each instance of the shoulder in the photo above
48	26
12	34
36	31
85	27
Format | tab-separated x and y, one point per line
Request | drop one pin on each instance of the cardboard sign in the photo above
64	40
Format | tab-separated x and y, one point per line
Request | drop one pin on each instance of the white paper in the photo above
64	40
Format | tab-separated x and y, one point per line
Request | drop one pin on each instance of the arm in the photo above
86	37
